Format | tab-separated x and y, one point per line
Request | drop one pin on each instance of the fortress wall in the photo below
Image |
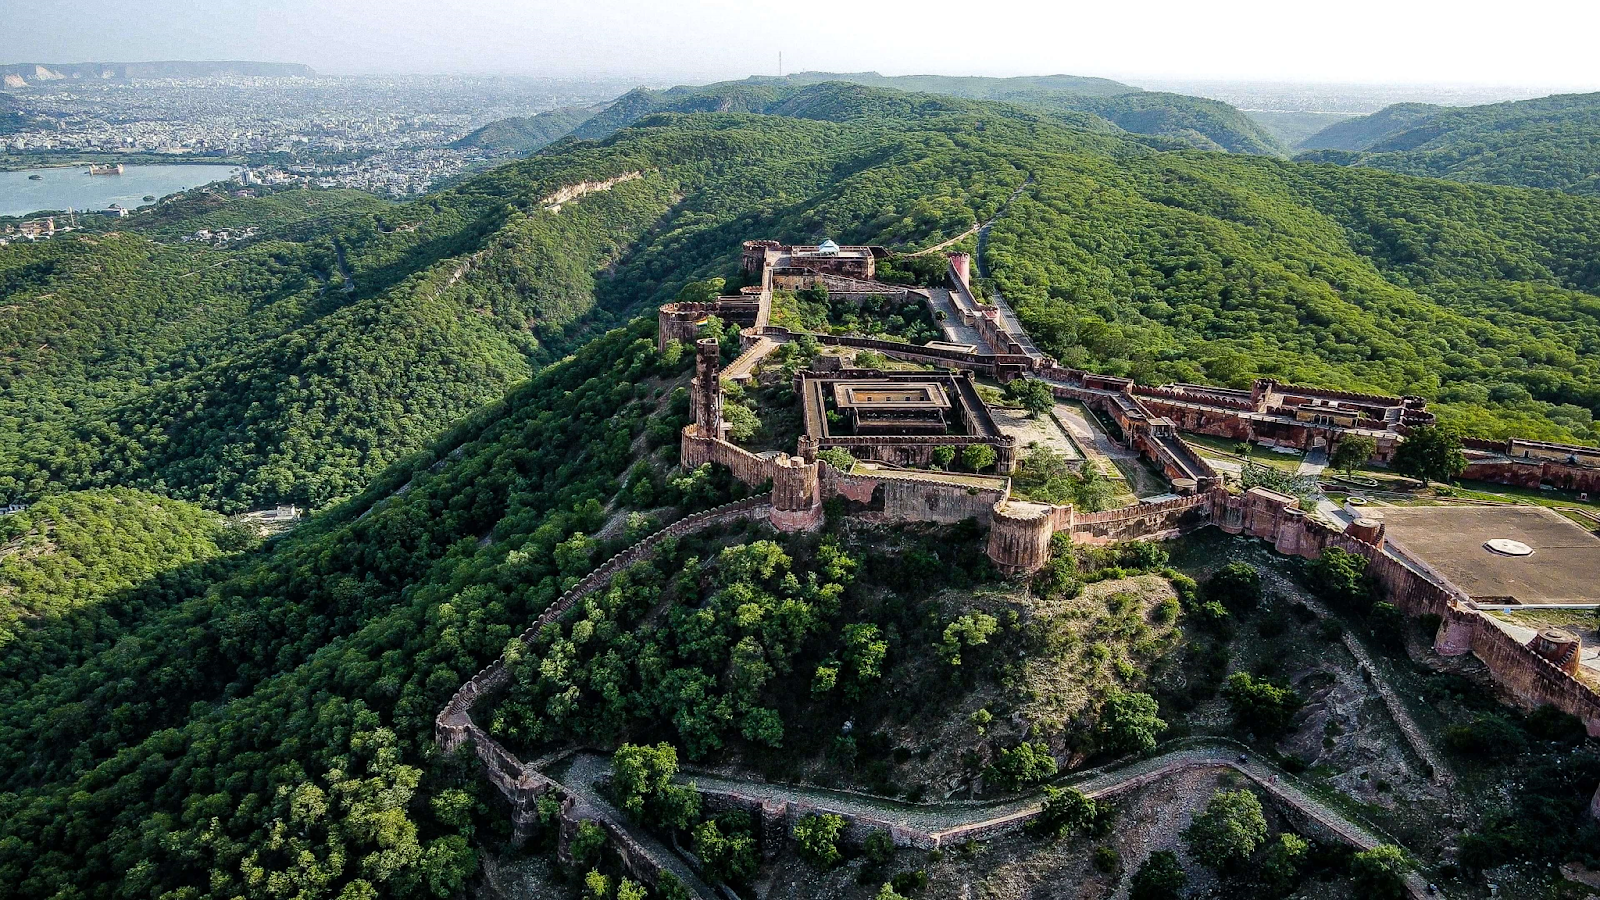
1531	473
454	726
1528	678
1144	521
746	467
885	498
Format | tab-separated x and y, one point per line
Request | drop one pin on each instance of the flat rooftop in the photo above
1564	566
890	395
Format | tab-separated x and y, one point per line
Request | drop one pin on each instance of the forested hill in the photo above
218	720
1091	104
1362	132
1552	142
297	366
525	134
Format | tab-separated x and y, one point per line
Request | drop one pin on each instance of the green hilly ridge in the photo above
1090	104
525	134
1552	142
242	377
184	714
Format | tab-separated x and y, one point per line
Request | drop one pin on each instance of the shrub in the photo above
879	847
944	456
967	631
643	788
1261	707
1236	586
1380	873
1487	736
1230	829
587	844
1340	578
818	839
977	457
1107	860
1160	877
727	849
838	457
1066	813
1020	766
1129	722
1279	867
1547	723
1145	556
909	882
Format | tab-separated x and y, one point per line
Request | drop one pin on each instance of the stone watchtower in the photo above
707	389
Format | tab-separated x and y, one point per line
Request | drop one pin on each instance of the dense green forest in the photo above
240	377
73	550
1178	266
187	711
182	753
1552	142
297	366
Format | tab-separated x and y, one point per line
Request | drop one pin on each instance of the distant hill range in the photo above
1094	104
1552	142
525	134
27	74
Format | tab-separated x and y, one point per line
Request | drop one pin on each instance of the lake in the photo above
69	186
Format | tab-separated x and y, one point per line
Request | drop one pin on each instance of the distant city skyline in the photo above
1543	43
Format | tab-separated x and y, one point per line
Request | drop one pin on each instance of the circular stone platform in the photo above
1506	547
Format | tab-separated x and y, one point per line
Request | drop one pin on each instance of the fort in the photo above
893	422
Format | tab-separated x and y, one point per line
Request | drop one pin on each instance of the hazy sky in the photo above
1533	42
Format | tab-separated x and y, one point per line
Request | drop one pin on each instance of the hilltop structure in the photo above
894	419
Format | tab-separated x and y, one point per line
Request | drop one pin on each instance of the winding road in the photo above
948	821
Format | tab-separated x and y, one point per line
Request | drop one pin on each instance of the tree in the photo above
1430	453
1340	577
818	839
1230	829
1021	766
727	849
944	456
586	845
642	783
1237	586
838	457
744	423
1160	877
1031	394
977	457
1129	722
1066	813
1280	865
967	631
1352	452
1261	707
1380	872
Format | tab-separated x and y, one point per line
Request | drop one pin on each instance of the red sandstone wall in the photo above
1144	521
